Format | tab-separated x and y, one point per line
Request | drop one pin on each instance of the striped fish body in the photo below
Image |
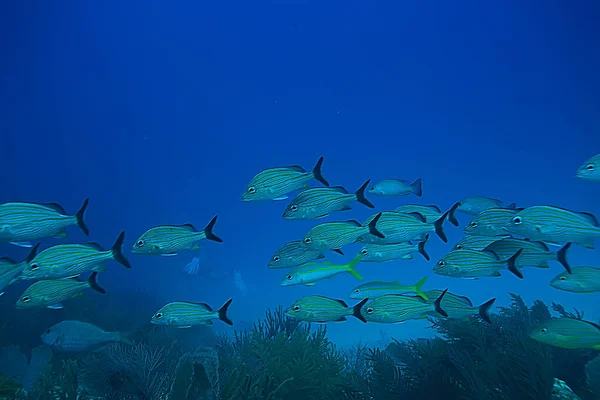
397	228
319	309
310	273
50	292
456	306
476	204
22	222
476	242
75	336
431	213
319	202
534	254
568	333
181	314
66	260
273	183
388	252
293	254
392	308
9	272
469	264
582	279
590	170
490	222
375	289
334	235
556	225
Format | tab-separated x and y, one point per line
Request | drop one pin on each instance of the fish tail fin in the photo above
32	253
353	264
438	304
439	226
452	214
123	337
417	188
223	313
356	310
512	206
512	264
80	221
561	256
117	251
373	227
94	283
209	233
417	289
484	310
318	174
422	250
360	195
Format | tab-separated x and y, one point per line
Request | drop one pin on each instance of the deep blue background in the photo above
161	112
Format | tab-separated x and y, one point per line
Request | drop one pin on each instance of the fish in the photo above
582	279
460	306
335	235
395	251
490	222
323	309
310	273
590	170
473	242
69	260
431	213
182	314
276	183
379	288
396	187
10	270
21	222
167	240
402	228
535	254
394	308
322	201
476	204
51	293
72	336
555	225
568	333
294	253
471	264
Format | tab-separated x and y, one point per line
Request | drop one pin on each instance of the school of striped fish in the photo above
500	238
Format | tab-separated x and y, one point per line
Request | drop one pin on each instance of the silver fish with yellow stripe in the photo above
51	293
394	308
310	273
335	235
534	254
21	223
294	253
582	279
568	333
320	202
181	314
323	309
394	251
590	170
555	225
490	222
276	183
471	264
474	242
69	260
460	306
167	240
380	288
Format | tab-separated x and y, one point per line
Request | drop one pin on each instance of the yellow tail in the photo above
417	289
351	266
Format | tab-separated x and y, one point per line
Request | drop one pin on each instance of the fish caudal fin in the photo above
208	230
452	214
561	256
417	289
438	304
439	226
356	310
80	221
94	283
422	250
512	264
360	195
223	313
417	188
351	266
373	227
318	174
117	251
32	253
484	310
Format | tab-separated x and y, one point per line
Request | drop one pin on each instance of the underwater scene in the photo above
297	200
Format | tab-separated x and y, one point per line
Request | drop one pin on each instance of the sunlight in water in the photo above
193	267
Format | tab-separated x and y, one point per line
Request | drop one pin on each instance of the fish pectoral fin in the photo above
61	234
1	293
346	208
309	284
281	198
22	244
184	327
195	247
322	216
168	254
495	273
57	306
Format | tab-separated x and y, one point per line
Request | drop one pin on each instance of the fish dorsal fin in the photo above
190	227
54	206
342	302
95	245
209	308
340	189
465	298
591	218
418	216
8	260
593	324
295	168
353	222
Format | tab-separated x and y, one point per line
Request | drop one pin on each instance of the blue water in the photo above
161	112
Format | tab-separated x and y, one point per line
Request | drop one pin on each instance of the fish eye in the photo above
34	266
543	330
517	220
289	277
441	263
369	310
276	259
294	207
26	299
140	243
590	167
307	240
357	291
563	278
48	331
158	315
251	190
296	308
364	252
473	224
459	247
